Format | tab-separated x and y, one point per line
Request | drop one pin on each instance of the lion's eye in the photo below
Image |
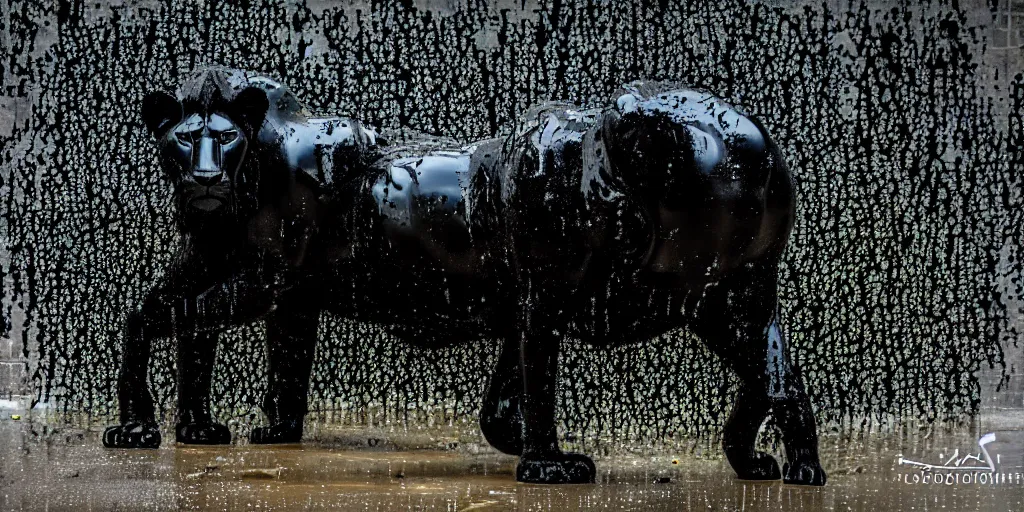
184	137
228	137
189	138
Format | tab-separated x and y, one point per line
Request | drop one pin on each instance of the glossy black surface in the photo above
666	208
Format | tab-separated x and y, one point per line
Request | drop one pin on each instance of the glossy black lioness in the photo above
613	225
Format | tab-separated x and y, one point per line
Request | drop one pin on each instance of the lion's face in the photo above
206	153
203	147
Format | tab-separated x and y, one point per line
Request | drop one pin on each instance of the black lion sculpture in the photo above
612	225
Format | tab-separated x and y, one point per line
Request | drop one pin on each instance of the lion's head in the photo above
204	135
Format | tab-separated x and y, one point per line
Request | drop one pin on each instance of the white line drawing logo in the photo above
957	463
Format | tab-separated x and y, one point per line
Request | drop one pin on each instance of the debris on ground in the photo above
262	473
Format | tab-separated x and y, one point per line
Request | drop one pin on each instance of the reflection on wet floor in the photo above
64	469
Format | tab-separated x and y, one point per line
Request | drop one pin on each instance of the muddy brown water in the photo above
46	468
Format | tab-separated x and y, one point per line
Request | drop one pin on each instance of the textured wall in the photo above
902	125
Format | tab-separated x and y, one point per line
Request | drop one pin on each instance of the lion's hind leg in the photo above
501	420
738	319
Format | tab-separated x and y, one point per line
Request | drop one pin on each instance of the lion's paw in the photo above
132	435
202	433
556	468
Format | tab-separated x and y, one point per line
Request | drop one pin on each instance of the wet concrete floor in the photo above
48	468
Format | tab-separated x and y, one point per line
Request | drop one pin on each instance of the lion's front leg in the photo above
194	304
242	297
138	428
197	351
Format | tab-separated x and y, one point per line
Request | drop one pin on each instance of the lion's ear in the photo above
249	108
160	111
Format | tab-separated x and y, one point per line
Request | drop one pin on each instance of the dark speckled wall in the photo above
902	124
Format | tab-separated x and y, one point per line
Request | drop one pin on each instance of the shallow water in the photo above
63	469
